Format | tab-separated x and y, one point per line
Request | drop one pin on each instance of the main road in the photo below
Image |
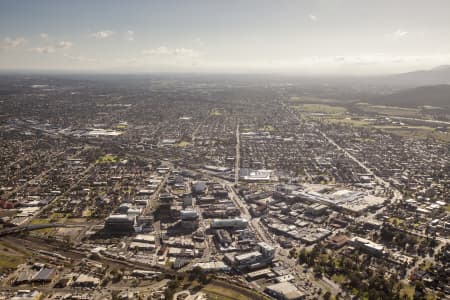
379	180
237	160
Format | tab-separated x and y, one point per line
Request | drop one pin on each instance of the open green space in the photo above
350	121
11	256
215	112
321	108
389	110
311	99
229	293
408	131
268	128
338	278
121	127
87	213
417	132
184	144
108	158
9	262
407	291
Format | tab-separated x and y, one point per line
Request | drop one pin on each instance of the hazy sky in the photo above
316	36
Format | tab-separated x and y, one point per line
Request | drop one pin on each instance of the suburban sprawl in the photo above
220	187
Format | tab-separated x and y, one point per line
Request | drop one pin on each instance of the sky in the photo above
233	36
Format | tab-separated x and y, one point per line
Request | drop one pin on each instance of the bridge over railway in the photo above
19	229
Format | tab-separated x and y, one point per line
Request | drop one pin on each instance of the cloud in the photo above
396	35
313	18
127	61
80	58
48	49
43	50
64	45
199	42
129	35
184	52
163	50
9	43
102	34
177	52
44	35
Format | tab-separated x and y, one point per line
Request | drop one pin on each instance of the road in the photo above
379	180
237	161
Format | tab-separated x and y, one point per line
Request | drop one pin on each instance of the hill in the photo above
436	95
436	76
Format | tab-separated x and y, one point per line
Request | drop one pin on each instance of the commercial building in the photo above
119	223
367	245
213	266
284	291
255	175
236	223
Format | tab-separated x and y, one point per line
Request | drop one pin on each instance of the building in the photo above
27	295
266	250
143	242
223	237
284	291
367	245
248	258
316	209
119	223
44	275
199	188
213	266
189	215
260	257
337	241
255	175
235	223
84	280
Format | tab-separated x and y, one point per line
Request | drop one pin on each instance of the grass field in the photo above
333	119
226	293
184	144
320	108
215	112
390	110
416	132
11	256
268	128
311	99
339	279
407	291
87	213
108	158
121	127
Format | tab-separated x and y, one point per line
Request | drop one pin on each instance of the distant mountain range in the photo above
418	88
434	95
435	76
